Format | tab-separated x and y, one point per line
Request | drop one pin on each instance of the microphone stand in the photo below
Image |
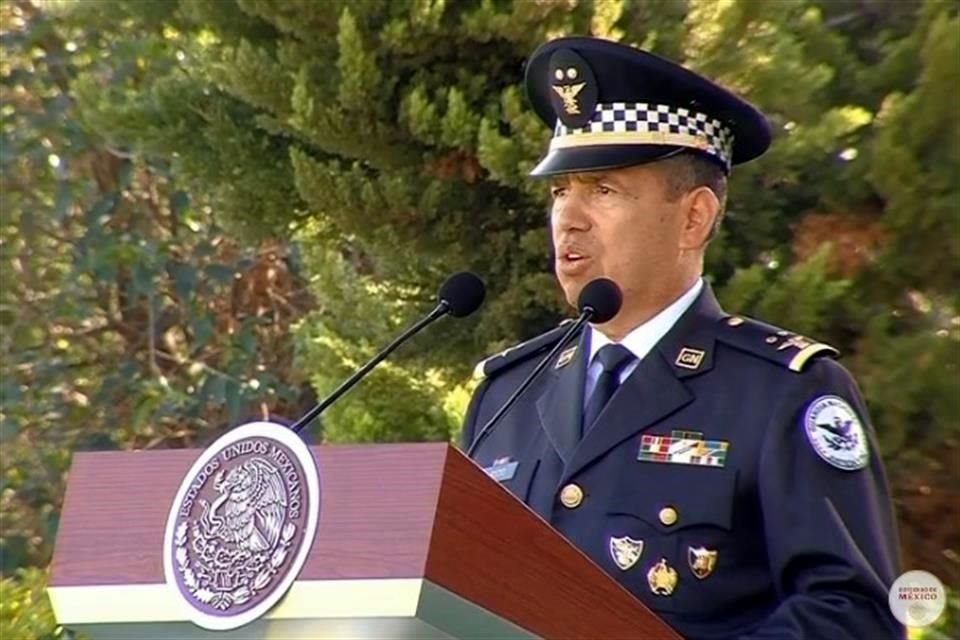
585	316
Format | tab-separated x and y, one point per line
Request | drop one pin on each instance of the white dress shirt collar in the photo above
643	339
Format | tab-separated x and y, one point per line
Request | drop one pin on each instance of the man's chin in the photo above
571	288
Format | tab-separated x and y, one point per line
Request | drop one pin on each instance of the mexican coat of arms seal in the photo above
241	525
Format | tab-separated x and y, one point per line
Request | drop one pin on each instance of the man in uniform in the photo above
723	470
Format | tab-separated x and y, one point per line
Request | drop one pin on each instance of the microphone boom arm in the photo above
442	308
487	428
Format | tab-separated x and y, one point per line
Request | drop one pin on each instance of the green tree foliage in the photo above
392	141
130	318
24	609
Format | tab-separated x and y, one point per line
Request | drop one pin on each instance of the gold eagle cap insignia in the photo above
568	93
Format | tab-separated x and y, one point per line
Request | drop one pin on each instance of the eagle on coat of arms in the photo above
253	500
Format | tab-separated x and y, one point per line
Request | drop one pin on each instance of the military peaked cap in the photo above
611	106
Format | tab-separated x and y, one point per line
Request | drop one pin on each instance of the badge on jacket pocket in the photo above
701	560
625	551
662	578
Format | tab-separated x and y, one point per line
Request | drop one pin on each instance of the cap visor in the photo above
584	159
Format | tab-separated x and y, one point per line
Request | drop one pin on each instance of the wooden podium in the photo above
413	541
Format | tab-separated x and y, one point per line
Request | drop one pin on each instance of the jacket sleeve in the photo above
828	518
470	427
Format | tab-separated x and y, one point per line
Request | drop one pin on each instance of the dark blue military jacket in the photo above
733	483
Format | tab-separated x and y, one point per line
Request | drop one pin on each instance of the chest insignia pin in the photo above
625	551
566	357
702	561
662	578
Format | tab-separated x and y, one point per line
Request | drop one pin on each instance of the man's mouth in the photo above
572	261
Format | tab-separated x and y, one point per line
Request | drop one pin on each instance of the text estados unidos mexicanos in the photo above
288	471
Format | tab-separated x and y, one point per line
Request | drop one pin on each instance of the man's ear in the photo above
700	211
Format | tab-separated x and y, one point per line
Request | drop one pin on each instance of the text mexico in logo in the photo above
241	525
917	598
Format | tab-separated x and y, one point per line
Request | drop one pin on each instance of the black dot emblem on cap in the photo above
574	88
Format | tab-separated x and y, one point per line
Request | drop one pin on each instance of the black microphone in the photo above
598	302
460	295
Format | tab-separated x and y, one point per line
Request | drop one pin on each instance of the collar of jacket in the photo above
685	351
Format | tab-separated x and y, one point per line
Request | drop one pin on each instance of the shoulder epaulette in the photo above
520	352
786	348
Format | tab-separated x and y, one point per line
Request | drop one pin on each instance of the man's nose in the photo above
571	213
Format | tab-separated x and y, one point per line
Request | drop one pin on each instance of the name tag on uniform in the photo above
502	469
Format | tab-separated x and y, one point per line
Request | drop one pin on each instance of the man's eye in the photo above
603	189
556	192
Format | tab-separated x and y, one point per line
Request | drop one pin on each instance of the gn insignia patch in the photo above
690	358
836	433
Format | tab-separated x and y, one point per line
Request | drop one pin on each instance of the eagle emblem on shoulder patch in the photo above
836	433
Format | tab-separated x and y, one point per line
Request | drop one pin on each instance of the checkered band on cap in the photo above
619	123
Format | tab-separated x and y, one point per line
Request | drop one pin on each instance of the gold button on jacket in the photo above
571	496
668	516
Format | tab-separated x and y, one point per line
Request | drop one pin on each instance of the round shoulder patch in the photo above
836	433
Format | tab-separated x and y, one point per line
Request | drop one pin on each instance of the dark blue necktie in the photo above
613	358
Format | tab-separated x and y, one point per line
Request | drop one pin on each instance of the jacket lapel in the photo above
560	407
656	388
650	393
